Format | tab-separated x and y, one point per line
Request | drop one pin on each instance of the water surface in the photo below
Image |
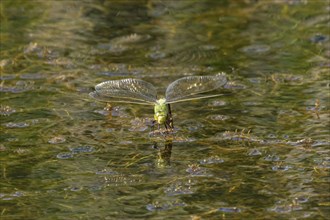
260	151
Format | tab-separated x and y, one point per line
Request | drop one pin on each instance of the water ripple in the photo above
11	196
272	157
163	206
256	49
17	125
123	43
218	117
195	54
138	124
19	87
179	188
82	149
254	152
229	209
64	155
6	110
57	140
106	172
123	179
281	167
196	170
212	160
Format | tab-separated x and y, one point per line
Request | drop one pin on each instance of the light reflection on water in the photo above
261	149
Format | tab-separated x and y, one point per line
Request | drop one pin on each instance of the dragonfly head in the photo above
161	111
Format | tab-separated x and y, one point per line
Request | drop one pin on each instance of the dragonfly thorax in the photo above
161	111
161	101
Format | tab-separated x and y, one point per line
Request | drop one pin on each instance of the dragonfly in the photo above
137	91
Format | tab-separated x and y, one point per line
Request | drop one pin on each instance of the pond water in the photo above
260	151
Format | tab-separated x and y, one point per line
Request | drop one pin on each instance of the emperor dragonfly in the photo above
138	91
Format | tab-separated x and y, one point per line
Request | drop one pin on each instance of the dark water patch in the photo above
319	38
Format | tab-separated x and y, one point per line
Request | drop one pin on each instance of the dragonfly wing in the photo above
182	88
101	98
135	90
194	98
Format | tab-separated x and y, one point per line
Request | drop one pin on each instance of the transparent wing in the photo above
126	90
98	97
195	98
181	89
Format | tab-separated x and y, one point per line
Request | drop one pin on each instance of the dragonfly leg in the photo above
169	120
166	127
153	125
